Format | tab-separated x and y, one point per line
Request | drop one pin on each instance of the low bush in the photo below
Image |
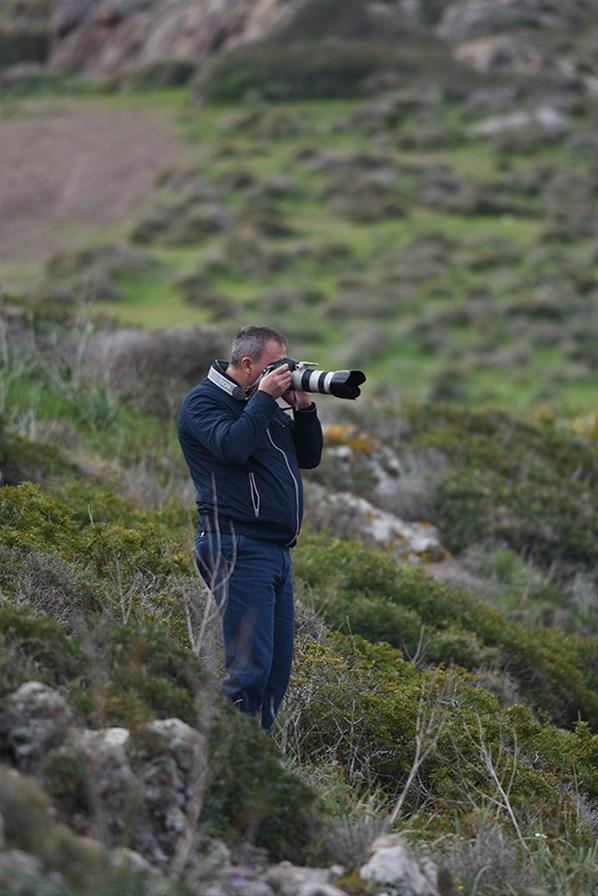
527	485
253	796
21	459
164	73
334	68
152	369
38	648
23	45
30	518
46	584
361	705
365	591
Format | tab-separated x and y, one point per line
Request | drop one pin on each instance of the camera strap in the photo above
223	382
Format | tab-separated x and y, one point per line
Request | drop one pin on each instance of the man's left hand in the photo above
297	400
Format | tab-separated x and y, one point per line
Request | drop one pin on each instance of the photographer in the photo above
244	454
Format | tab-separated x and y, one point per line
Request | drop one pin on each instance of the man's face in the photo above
273	351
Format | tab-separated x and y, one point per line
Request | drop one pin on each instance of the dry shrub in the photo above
488	863
45	584
152	368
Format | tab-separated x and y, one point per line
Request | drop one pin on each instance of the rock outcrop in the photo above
101	37
143	789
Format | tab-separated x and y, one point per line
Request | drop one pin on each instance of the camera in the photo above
306	378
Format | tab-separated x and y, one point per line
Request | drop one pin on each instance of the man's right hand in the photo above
277	382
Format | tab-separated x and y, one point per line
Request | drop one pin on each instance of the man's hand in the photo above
277	382
297	400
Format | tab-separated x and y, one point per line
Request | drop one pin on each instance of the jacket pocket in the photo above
255	495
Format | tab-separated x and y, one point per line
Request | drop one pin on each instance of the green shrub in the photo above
164	73
297	71
142	673
292	66
367	592
30	518
21	459
252	796
33	647
23	45
66	778
357	704
527	485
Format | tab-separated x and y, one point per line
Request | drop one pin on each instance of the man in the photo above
244	453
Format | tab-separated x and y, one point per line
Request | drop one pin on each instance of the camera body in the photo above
306	378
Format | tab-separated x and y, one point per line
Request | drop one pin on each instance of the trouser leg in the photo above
245	575
282	652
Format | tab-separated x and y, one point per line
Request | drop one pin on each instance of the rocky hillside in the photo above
101	37
445	680
406	187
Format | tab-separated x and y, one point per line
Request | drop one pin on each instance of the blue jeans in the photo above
252	584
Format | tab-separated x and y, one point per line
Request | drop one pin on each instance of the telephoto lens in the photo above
340	383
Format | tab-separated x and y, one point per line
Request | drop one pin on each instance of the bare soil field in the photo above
68	170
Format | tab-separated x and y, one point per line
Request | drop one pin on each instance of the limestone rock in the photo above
546	118
34	719
106	36
358	518
171	763
112	778
392	864
293	880
500	52
471	18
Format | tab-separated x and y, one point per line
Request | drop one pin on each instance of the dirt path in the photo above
67	170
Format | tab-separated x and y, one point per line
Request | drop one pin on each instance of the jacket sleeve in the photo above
230	438
308	438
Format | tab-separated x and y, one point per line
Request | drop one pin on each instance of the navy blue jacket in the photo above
244	457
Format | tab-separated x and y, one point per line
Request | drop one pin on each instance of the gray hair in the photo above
250	342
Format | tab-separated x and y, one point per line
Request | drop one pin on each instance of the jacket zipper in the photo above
255	495
295	483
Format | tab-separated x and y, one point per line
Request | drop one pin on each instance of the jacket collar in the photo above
217	375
